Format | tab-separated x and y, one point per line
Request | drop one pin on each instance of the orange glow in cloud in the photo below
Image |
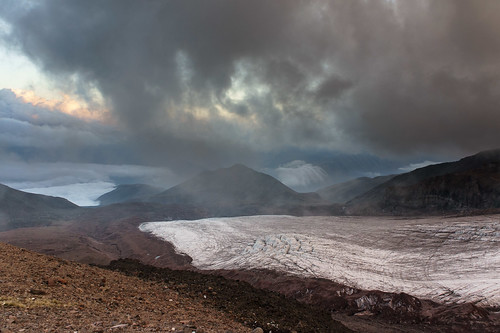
70	105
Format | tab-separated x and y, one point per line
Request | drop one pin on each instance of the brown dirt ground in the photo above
251	306
39	293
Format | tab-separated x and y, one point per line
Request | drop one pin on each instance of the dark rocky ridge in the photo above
129	193
343	192
469	185
320	301
373	310
20	209
251	306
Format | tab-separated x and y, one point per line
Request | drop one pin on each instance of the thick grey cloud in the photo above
208	82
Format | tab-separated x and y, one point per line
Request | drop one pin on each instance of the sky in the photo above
312	92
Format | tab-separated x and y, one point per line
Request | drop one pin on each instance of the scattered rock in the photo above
62	281
368	302
364	313
37	292
118	326
51	282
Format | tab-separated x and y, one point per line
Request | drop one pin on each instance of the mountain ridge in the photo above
345	191
129	193
236	185
469	184
19	209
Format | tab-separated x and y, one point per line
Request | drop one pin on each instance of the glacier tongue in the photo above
449	260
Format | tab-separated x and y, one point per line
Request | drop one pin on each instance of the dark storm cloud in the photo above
332	88
206	82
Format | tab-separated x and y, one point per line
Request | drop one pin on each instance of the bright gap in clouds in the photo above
28	82
18	72
71	105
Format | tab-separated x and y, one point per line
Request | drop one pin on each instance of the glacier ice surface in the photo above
444	259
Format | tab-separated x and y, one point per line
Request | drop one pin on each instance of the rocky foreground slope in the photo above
46	294
366	311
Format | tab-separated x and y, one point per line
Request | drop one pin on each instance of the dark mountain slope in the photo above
129	193
234	187
470	184
343	192
20	209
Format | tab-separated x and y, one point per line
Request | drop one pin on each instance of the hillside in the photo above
343	192
40	293
468	185
20	209
129	193
101	234
233	188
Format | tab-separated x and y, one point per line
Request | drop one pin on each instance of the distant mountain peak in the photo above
128	193
486	155
235	186
239	166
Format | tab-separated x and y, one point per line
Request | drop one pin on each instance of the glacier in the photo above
446	259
